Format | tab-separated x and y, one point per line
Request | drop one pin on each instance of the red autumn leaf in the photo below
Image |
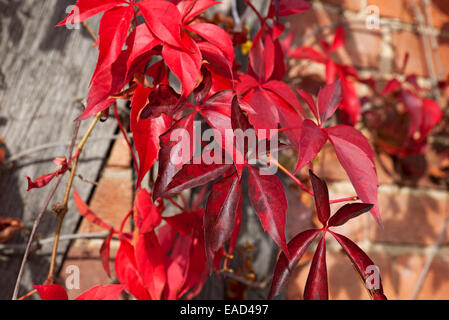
268	199
176	150
51	292
339	38
162	100
308	53
329	99
391	86
114	26
184	62
357	158
321	196
146	132
105	253
347	212
310	142
194	175
84	9
150	263
297	247
186	222
220	215
261	56
146	214
316	286
107	292
87	213
360	260
127	272
190	9
215	35
432	115
284	8
350	103
164	20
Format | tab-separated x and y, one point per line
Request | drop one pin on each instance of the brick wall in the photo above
413	216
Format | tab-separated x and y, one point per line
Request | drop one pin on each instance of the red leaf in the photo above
146	132
283	91
360	261
311	140
105	253
261	56
215	35
284	8
147	214
316	285
268	198
150	263
176	150
184	63
187	222
127	273
391	86
84	9
339	38
51	292
114	26
164	20
194	175
321	196
350	103
297	247
357	158
310	102
219	218
85	211
108	292
162	100
192	8
329	99
432	115
307	53
347	212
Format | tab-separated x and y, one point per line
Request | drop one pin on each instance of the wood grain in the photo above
43	71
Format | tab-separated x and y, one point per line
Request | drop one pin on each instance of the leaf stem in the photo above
61	209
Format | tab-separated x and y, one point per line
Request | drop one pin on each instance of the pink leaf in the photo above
84	9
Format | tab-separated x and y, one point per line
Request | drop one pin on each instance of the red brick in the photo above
399	275
411	216
399	9
409	42
354	5
440	14
91	272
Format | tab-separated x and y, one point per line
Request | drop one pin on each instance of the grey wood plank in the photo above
43	70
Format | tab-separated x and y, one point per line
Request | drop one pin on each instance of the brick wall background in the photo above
414	216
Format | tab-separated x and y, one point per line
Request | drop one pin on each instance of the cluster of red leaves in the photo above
140	44
317	285
408	135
